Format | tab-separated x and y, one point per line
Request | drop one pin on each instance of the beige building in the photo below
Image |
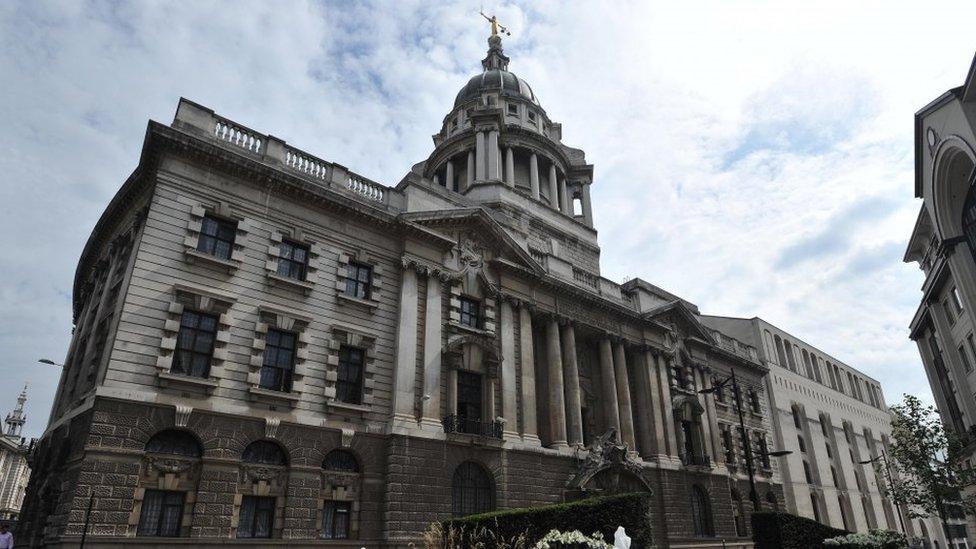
14	468
831	417
943	243
269	345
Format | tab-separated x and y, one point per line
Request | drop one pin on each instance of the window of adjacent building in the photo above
956	300
807	473
292	260
469	401
279	360
335	519
349	384
830	453
162	511
195	344
701	512
833	476
256	517
824	426
965	359
472	490
359	280
796	419
217	237
470	312
802	443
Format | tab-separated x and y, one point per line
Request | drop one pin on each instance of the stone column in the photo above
574	410
534	176
587	207
553	187
449	176
557	408
659	444
667	412
564	203
608	384
433	341
530	429
509	411
712	434
623	395
470	178
509	167
479	162
493	154
642	404
406	355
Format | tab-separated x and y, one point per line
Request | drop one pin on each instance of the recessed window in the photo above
801	443
293	260
195	344
340	461
763	449
727	445
264	452
833	475
469	402
256	517
965	359
796	419
948	311
358	280
472	489
349	385
470	312
217	237
162	512
279	360
956	299
754	400
719	392
513	109
175	443
701	512
532	117
807	473
830	453
335	519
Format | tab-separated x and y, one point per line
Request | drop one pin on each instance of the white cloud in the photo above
723	134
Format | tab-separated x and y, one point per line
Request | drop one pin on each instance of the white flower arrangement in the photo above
555	539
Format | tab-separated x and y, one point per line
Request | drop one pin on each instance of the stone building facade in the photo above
831	417
943	243
14	468
268	345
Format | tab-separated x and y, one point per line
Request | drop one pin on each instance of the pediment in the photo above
478	236
681	320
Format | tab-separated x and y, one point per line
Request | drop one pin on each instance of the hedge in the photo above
600	514
782	530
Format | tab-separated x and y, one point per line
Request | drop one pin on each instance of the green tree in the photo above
926	471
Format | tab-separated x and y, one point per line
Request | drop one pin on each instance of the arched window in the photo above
969	220
174	442
264	452
473	490
340	461
701	512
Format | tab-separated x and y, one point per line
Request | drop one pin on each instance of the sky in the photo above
754	158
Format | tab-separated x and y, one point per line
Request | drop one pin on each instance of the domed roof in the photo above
496	80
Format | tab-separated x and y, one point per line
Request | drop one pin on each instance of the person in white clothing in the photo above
6	538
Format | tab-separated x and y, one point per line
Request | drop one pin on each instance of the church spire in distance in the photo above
496	59
16	419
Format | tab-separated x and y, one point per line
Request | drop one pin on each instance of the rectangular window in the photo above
948	311
719	392
292	260
532	117
256	517
972	344
469	402
830	454
513	109
763	450
217	237
956	300
727	444
796	420
195	344
965	359
470	312
349	385
359	280
807	473
162	511
279	360
335	520
833	476
754	400
802	443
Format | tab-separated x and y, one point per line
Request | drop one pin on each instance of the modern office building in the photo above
269	345
943	243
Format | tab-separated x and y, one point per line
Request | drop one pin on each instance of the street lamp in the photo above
50	362
753	494
884	457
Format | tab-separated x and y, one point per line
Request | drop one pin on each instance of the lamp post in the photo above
884	457
50	362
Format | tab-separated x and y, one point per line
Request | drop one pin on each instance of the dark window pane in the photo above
217	237
341	461
278	360
256	517
359	280
349	385
470	312
335	519
162	512
174	442
264	452
292	260
473	490
195	344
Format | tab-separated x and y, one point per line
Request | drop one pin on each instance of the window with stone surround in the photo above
215	234
196	334
727	444
470	312
701	512
164	499
279	355
162	512
340	495
754	401
293	260
256	517
473	490
259	507
359	279
350	368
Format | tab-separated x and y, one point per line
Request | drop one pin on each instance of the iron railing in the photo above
457	424
701	460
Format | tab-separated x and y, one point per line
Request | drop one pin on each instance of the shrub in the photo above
875	539
782	530
600	515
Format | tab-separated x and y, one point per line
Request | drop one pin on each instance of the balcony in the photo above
697	460
462	425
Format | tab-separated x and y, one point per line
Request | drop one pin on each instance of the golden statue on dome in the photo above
495	25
